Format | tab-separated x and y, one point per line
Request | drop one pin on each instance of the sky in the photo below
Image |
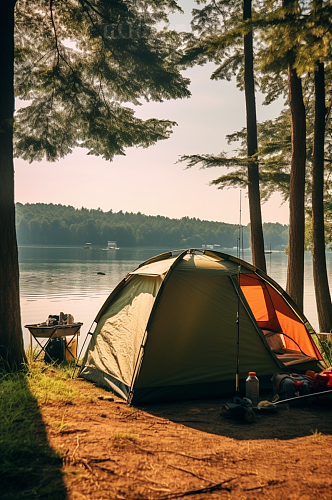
149	180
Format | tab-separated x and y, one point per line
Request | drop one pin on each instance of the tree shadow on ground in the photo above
29	467
285	423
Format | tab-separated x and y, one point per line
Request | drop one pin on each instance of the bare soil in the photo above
112	451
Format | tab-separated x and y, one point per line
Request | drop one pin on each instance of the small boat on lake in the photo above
211	247
87	246
111	245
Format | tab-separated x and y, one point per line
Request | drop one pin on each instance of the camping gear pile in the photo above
61	335
290	388
60	349
292	385
55	351
169	330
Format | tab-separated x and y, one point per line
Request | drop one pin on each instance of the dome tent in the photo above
169	329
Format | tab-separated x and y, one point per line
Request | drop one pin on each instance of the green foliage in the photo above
217	36
57	224
274	233
79	62
48	384
298	32
327	351
274	152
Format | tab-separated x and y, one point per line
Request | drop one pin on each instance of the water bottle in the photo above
252	387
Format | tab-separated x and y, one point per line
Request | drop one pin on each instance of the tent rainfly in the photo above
169	329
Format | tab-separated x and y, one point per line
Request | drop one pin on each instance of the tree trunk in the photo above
295	270
257	240
11	342
322	291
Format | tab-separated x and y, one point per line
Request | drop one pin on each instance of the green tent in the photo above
169	329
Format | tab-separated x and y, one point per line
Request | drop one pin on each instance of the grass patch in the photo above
50	382
316	436
125	435
29	468
327	351
61	425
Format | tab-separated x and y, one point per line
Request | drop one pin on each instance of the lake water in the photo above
54	279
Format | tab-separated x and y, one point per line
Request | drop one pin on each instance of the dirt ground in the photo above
112	451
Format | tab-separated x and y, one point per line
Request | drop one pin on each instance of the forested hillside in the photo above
50	224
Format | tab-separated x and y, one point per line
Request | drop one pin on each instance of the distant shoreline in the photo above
48	224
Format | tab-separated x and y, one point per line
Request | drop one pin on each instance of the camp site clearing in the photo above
165	342
144	419
161	451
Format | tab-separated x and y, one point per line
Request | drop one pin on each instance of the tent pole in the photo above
81	350
237	376
237	389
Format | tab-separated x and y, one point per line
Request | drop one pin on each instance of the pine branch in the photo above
55	33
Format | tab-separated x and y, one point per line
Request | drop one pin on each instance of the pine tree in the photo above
77	62
322	291
225	38
317	23
305	33
257	240
281	40
11	342
295	268
274	153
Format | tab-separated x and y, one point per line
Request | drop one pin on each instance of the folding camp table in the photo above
43	331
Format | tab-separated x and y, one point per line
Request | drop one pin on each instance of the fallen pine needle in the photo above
98	460
189	472
150	452
106	469
254	488
76	447
158	489
155	482
86	463
208	489
130	414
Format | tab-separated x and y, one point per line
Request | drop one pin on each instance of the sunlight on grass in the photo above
125	435
49	383
316	437
60	425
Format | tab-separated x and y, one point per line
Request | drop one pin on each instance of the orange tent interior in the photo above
285	333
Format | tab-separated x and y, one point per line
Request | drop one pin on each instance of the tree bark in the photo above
11	342
257	239
295	269
322	291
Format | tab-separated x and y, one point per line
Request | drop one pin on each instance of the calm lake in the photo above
54	279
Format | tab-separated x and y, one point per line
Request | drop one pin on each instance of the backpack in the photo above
291	385
55	351
321	381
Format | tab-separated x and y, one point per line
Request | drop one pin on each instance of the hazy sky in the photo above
148	180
